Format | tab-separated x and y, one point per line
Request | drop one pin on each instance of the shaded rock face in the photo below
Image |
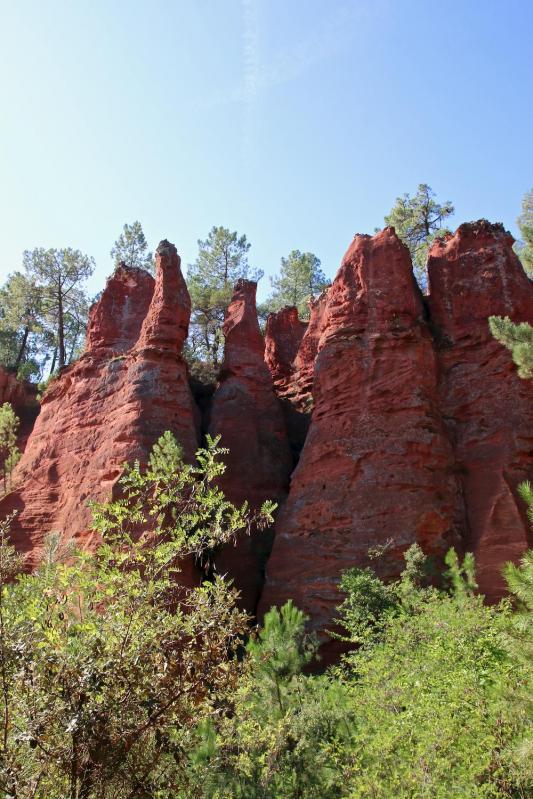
247	414
11	389
283	335
304	363
109	407
488	409
22	396
115	320
377	466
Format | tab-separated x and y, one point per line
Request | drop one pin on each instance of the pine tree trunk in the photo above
54	359
61	331
22	348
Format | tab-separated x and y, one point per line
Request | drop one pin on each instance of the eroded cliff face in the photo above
488	409
129	386
22	396
377	467
283	335
408	419
247	414
291	351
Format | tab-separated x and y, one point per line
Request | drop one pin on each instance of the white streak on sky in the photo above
250	77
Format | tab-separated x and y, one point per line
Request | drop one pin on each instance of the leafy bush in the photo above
110	661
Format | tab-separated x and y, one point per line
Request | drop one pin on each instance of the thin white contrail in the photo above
250	57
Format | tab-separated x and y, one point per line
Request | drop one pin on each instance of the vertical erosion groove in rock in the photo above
489	410
247	414
107	408
377	464
283	335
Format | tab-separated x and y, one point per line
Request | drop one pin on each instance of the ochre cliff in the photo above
487	407
405	419
248	416
377	467
109	407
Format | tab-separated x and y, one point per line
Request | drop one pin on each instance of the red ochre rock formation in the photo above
11	389
420	429
283	334
377	466
304	363
22	396
489	410
247	414
283	337
129	386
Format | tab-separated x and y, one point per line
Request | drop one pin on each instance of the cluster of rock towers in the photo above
389	418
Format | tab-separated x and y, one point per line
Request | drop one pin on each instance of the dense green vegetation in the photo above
121	675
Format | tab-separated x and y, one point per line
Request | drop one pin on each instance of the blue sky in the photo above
296	122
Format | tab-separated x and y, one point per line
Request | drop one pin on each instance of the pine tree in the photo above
131	248
518	338
60	275
301	279
9	453
222	259
418	221
525	223
21	317
281	650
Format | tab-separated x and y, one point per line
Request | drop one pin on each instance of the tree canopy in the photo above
418	220
43	311
22	323
60	274
222	259
300	279
131	248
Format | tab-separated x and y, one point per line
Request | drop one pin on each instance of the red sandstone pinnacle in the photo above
377	466
166	324
247	414
115	320
304	362
158	373
107	408
475	274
